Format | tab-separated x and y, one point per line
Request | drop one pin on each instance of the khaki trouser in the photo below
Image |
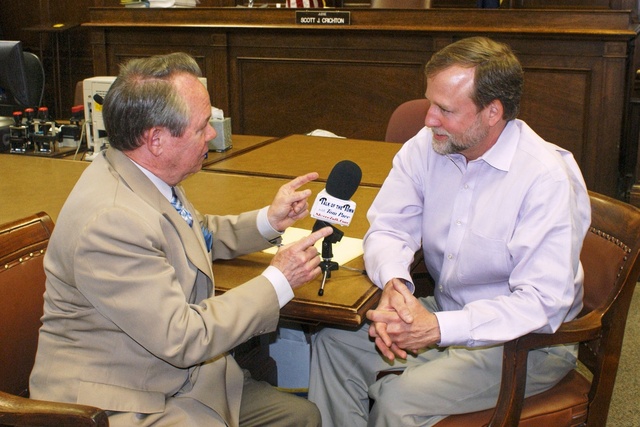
434	384
262	405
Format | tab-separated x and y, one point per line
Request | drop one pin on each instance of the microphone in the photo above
333	206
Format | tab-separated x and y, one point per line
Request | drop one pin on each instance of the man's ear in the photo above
153	139
495	111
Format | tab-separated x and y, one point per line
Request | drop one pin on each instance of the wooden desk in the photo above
70	153
239	144
348	295
31	184
297	154
223	193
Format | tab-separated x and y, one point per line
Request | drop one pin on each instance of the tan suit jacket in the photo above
129	318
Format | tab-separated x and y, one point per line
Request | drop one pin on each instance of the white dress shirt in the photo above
501	234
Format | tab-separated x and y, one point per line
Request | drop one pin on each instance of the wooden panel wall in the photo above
273	78
76	64
298	82
280	78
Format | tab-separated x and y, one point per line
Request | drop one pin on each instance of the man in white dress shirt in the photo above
500	215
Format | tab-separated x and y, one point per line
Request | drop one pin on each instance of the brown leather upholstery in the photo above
610	256
407	119
22	247
564	405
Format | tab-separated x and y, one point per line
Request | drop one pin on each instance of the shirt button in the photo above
450	256
458	222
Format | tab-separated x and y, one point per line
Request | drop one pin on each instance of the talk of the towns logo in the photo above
338	213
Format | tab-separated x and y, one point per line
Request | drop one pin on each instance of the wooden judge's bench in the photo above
274	76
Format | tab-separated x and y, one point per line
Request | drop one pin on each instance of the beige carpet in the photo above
625	404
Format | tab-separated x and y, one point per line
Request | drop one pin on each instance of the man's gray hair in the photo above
143	96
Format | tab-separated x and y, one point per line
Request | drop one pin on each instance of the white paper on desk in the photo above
344	251
162	3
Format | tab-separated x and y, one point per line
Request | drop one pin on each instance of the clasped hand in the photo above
401	323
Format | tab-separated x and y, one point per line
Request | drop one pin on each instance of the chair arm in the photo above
514	363
584	328
21	411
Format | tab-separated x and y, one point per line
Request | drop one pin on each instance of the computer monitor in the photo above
13	77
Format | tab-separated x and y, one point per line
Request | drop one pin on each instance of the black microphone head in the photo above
344	179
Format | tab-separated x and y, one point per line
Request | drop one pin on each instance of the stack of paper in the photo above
134	3
162	3
159	3
344	251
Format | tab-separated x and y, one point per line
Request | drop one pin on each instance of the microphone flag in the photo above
332	209
333	204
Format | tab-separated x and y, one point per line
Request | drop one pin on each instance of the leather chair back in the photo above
22	279
22	283
406	120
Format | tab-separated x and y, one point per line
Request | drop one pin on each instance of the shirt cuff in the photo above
410	286
265	228
280	285
388	272
454	327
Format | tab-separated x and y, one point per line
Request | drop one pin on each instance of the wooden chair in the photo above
22	282
406	120
610	256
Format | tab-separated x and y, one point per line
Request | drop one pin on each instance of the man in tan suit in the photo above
130	323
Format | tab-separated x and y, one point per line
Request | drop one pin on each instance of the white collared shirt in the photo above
501	234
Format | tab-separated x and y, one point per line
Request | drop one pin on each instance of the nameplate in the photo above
306	17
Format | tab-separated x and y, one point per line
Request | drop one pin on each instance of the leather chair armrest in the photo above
21	411
514	363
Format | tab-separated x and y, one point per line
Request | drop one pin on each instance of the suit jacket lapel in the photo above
141	185
197	228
